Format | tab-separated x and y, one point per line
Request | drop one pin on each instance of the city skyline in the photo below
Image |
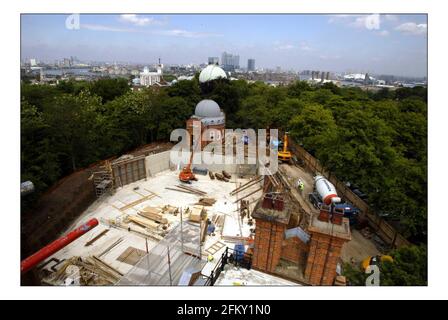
382	44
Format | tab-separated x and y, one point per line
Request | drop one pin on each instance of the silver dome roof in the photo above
211	72
207	109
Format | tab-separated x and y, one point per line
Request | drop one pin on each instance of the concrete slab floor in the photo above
233	276
107	208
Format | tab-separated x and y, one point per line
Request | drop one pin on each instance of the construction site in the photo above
229	225
140	219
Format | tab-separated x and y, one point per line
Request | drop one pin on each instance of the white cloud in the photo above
413	28
305	47
285	47
364	21
391	17
186	34
138	21
169	33
383	33
99	27
329	57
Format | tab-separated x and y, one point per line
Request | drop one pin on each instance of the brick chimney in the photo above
271	219
327	239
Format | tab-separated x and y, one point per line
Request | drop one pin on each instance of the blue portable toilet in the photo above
239	251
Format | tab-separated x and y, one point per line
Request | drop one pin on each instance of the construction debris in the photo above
247	195
218	220
208	202
88	271
131	256
180	190
113	245
170	209
136	202
142	232
191	189
220	177
153	214
247	185
100	235
197	213
340	281
141	221
226	175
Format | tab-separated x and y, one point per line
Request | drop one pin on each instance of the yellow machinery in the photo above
375	260
285	155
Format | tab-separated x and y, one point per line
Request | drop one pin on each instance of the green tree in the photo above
39	163
109	89
72	122
408	269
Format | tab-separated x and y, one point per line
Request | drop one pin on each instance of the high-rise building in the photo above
213	60
251	65
230	62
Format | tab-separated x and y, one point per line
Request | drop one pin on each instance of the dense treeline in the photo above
377	140
409	268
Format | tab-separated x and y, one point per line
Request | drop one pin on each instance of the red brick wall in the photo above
267	245
322	259
294	250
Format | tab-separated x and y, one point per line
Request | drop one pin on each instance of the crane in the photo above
285	154
186	175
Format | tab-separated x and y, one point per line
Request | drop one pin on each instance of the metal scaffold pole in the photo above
169	266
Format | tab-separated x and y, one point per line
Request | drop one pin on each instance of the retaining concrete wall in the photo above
241	169
158	162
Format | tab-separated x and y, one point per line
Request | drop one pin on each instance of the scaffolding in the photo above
170	260
103	180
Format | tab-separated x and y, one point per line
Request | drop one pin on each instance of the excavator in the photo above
285	155
186	175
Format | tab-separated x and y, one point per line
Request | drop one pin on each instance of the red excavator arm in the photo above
186	174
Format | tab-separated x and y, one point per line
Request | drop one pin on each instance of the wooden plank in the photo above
136	202
247	195
146	223
100	235
113	245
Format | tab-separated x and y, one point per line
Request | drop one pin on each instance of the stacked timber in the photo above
197	213
211	175
143	222
153	214
208	202
170	209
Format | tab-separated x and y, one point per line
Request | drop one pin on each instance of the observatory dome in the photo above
207	109
211	72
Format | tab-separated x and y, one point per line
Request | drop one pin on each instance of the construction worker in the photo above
300	186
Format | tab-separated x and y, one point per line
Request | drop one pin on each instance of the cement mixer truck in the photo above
325	193
325	190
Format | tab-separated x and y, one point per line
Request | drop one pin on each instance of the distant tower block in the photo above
326	244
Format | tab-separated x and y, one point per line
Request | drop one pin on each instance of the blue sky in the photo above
388	44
